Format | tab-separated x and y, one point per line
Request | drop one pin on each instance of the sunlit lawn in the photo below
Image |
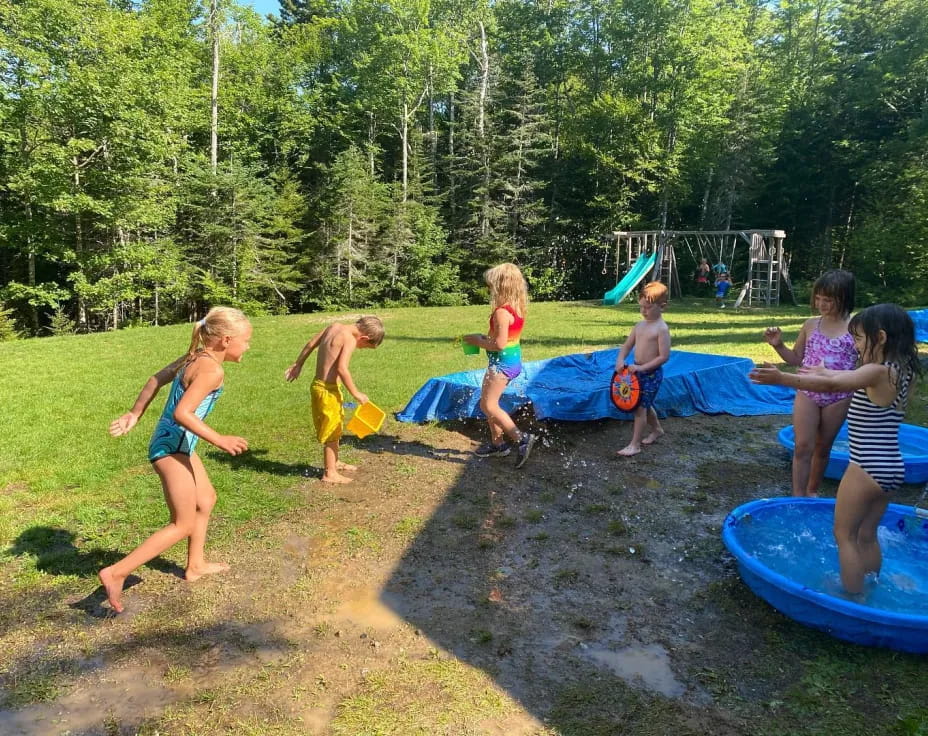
60	468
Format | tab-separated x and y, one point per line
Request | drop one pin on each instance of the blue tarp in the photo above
576	388
920	318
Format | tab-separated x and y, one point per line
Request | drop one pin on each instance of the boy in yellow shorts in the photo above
336	343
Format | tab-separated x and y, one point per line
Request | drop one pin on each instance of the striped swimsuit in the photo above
873	434
508	361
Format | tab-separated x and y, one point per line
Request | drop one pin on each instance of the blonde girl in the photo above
508	301
196	384
823	340
884	336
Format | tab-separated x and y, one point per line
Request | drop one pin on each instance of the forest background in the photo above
373	153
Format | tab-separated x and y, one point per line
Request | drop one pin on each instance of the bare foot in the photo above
113	587
346	467
336	478
653	437
629	450
207	568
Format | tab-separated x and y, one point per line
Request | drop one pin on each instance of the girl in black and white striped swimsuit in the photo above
884	336
873	432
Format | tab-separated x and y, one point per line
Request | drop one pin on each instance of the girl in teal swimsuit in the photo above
196	383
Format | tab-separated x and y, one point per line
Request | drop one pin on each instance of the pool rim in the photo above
824	600
915	466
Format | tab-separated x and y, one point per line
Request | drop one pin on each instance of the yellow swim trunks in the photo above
327	410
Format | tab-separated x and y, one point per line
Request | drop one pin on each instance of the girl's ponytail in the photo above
200	331
218	322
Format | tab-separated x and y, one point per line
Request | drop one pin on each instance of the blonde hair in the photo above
655	293
507	286
218	322
372	328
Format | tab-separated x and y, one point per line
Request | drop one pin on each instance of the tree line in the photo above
385	152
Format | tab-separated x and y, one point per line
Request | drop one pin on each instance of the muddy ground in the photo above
445	594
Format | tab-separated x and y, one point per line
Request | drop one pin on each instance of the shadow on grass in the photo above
256	459
385	444
55	553
556	579
498	578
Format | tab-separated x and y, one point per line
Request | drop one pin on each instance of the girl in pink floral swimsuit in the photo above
823	340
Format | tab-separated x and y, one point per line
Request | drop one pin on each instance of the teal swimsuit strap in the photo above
191	362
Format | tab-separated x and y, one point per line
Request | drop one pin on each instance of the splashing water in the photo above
797	542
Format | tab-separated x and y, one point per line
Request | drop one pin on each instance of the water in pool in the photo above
797	542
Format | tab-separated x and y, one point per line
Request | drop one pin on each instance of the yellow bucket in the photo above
366	420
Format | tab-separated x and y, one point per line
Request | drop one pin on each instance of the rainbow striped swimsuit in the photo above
508	361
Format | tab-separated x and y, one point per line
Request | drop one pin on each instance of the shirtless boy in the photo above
651	340
336	344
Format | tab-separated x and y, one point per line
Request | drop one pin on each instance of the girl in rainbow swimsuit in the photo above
508	300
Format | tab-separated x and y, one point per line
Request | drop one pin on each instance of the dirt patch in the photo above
586	594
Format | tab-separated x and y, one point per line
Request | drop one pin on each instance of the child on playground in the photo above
884	335
651	340
722	286
818	415
196	383
508	301
702	274
336	344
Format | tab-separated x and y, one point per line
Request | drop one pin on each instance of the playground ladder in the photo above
766	265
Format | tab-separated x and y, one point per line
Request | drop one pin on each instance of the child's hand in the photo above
362	398
773	336
232	444
472	339
293	372
766	374
814	370
122	425
632	368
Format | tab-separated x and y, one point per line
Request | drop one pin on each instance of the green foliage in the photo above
61	323
8	329
388	152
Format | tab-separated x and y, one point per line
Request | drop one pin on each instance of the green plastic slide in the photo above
622	289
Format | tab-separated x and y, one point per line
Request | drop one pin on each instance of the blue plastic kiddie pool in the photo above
787	555
913	441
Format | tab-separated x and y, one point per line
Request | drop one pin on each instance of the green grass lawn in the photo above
59	466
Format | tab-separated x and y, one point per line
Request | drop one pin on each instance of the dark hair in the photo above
900	347
838	285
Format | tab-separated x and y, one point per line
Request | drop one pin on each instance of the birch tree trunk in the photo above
214	91
484	64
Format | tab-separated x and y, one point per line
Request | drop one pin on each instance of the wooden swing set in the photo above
766	264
